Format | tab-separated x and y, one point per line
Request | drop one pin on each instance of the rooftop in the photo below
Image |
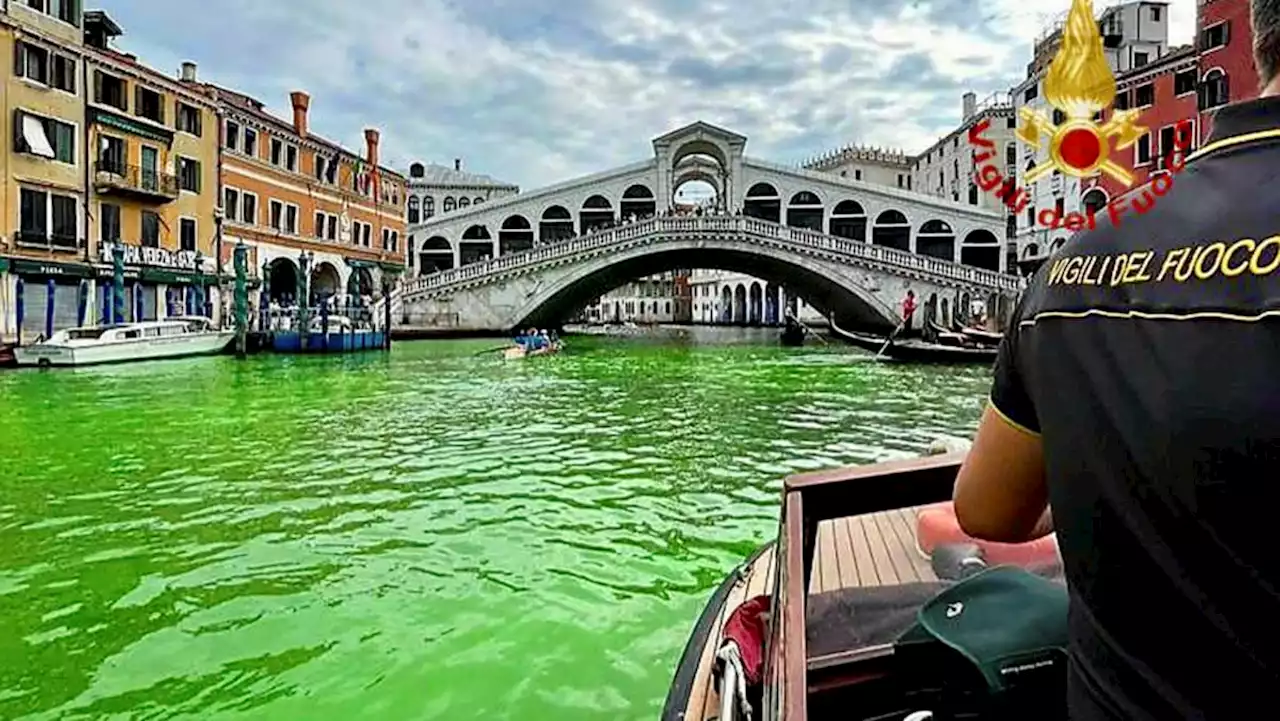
433	174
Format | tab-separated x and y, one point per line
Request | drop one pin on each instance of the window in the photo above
250	142
232	138
1140	59
1122	100
1031	215
148	104
1011	154
464	203
68	11
1142	152
1215	90
34	219
973	194
1214	37
395	241
857	174
1011	122
450	203
368	233
1059	206
429	203
291	219
901	182
150	229
108	223
1155	14
109	90
249	207
31	62
319	225
189	175
414	213
1166	143
291	158
320	167
231	204
64	73
277	214
1031	94
189	119
45	137
187	233
1145	95
110	155
277	151
1184	82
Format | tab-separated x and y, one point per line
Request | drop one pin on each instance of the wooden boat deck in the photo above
877	549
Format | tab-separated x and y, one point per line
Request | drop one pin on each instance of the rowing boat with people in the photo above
872	605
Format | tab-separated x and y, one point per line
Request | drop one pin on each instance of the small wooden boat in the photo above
147	340
917	351
519	352
838	618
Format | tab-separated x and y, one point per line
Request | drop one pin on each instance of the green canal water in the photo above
429	534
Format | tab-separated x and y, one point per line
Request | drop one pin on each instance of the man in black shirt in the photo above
1138	393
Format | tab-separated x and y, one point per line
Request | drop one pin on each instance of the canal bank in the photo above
427	533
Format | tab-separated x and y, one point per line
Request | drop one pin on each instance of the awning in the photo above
119	122
160	275
34	136
22	266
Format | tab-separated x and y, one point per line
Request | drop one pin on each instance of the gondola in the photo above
985	337
917	351
793	333
854	613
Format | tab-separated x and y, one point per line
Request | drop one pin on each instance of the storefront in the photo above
41	297
158	283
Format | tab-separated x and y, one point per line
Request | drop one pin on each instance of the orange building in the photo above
298	201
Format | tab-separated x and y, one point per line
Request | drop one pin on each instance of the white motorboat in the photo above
148	340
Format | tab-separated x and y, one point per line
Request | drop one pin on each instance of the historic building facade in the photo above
433	189
46	265
312	213
1224	41
152	151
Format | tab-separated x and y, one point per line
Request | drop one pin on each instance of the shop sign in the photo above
153	257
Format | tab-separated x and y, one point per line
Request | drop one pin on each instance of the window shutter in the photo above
1226	32
195	164
19	67
19	142
137	99
97	86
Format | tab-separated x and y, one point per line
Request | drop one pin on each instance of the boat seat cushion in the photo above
936	525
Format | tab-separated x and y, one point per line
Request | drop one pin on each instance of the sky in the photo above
539	91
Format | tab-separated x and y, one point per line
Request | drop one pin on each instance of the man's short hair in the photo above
1266	38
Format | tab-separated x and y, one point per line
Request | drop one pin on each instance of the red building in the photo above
1224	39
1166	93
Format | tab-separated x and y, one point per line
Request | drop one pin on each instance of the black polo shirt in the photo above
1146	353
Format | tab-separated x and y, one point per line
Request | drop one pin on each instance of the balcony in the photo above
46	241
133	181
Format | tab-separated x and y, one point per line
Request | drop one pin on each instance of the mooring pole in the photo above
241	299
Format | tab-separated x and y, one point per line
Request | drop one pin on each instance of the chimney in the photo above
188	72
371	137
970	101
301	103
457	163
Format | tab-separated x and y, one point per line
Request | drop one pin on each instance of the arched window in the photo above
973	194
1214	90
428	206
478	200
414	213
464	203
450	203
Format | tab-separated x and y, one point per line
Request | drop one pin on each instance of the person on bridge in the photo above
1145	412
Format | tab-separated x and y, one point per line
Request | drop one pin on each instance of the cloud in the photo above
537	91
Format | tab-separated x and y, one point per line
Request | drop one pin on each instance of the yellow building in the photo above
46	271
153	180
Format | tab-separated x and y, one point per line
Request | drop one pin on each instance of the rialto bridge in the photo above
848	247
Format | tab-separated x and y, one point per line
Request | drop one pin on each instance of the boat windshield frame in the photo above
808	499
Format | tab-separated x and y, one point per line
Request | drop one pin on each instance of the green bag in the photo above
1004	620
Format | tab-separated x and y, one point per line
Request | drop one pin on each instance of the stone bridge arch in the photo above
822	285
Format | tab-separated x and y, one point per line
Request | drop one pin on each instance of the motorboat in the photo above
872	605
146	340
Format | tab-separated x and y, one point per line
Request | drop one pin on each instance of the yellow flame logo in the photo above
1080	83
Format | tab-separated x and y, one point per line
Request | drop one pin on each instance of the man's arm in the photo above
1000	493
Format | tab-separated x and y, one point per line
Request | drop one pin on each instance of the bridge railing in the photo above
713	225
